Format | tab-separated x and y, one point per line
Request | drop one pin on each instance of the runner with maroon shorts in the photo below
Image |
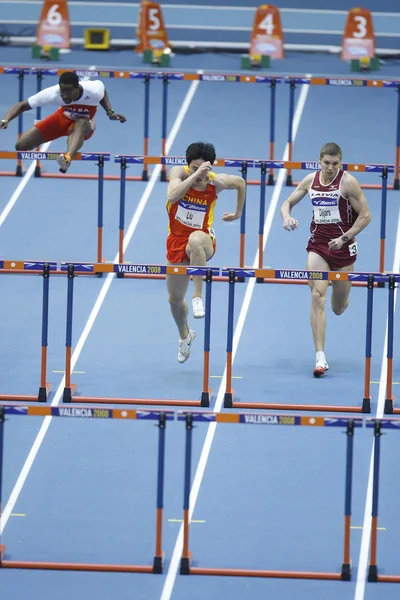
340	212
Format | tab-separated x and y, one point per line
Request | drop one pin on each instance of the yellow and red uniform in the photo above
193	212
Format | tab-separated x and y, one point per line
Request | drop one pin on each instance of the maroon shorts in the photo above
336	259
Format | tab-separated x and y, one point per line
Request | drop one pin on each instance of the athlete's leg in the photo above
315	262
340	292
79	130
199	250
29	140
177	286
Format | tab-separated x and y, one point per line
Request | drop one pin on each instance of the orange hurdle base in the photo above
56	566
386	579
41	396
138	401
306	407
259	573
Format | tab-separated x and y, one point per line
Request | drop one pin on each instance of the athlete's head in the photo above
330	158
69	86
198	153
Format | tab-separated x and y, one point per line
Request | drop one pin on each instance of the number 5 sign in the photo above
266	37
54	26
151	33
358	39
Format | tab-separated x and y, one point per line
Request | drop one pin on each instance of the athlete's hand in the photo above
230	217
289	224
117	117
3	124
336	244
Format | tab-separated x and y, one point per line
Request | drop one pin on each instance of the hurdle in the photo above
73	269
294	81
369	280
161	417
378	425
350	424
98	157
45	269
243	164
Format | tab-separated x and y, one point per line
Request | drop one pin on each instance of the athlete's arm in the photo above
352	191
106	104
14	112
232	182
179	182
301	190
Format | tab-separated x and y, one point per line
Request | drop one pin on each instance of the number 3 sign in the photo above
54	26
358	39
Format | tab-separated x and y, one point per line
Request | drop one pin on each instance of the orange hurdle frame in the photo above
273	420
96	413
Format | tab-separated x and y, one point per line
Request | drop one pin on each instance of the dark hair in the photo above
69	78
331	149
200	150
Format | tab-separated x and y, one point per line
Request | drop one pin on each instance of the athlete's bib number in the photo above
191	216
326	214
353	249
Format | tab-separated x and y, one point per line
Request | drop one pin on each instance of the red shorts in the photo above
336	259
57	125
176	247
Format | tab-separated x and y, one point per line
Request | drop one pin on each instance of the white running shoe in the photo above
321	366
198	308
184	347
64	161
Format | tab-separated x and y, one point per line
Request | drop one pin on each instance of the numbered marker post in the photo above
54	28
152	34
359	39
266	37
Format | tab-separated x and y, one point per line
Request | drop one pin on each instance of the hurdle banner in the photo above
70	389
350	424
161	417
244	164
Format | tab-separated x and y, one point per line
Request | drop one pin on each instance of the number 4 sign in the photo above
266	37
358	39
54	26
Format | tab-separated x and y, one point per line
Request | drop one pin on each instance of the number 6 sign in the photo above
358	39
54	26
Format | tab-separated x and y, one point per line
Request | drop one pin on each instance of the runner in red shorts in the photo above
192	194
340	212
78	102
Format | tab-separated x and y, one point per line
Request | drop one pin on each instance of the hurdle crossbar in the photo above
96	413
190	418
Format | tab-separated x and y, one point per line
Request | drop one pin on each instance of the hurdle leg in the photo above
21	77
122	213
2	421
366	405
229	392
159	554
39	77
389	402
383	220
272	130
261	220
243	171
163	175
289	179
45	387
69	389
207	391
373	564
186	554
145	174
346	566
396	182
100	209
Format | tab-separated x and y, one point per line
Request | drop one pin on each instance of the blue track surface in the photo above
270	498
